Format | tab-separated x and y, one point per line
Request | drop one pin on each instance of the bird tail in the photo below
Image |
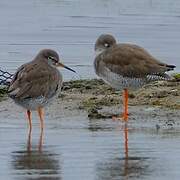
170	67
165	76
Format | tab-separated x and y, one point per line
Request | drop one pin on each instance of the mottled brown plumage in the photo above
37	82
34	79
127	61
125	66
133	61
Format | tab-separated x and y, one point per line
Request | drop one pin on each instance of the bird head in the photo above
52	58
104	42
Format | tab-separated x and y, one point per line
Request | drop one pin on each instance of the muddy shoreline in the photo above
93	96
98	99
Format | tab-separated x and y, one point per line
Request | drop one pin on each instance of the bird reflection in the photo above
126	149
29	144
115	167
36	163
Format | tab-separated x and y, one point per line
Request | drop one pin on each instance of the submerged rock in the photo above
95	114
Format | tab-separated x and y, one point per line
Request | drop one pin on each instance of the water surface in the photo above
78	148
75	147
71	28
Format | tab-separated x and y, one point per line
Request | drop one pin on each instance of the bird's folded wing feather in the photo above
30	81
132	61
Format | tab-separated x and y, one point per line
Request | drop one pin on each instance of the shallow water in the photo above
75	147
71	28
90	153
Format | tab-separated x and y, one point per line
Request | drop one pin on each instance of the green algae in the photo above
3	92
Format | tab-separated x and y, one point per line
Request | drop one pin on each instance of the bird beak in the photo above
62	65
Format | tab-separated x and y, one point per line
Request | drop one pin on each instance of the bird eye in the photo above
51	58
106	45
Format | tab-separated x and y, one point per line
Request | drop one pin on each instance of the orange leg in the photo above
29	119
125	105
41	117
124	115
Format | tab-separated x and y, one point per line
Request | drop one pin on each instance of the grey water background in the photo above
71	27
74	146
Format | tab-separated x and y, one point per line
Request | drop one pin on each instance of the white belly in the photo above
34	103
119	82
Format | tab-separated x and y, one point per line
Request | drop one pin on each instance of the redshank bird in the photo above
36	83
126	66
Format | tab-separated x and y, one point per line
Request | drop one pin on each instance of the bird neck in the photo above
99	51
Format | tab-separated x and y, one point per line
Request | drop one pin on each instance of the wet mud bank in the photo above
99	100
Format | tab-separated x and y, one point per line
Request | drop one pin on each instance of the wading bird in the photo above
126	66
35	83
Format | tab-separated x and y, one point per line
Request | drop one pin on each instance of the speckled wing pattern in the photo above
33	80
125	65
133	61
